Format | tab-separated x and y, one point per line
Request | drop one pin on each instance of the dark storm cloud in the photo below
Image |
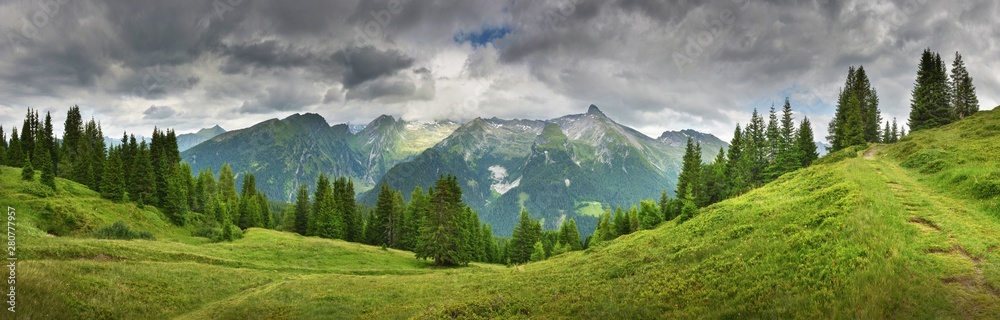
280	98
367	63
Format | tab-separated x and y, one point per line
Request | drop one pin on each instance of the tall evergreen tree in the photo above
895	132
754	151
250	212
113	181
343	189
385	210
142	188
441	232
930	106
569	234
302	210
868	101
3	146
527	232
963	94
787	159
15	156
72	138
690	168
413	218
323	210
735	168
45	149
804	143
491	252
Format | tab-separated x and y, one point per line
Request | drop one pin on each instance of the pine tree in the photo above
113	181
735	169
3	146
650	215
47	151
773	135
15	157
804	143
385	210
895	132
302	210
690	168
887	134
323	210
441	232
142	188
754	151
857	105
621	224
248	212
28	172
347	206
175	197
491	252
537	252
930	106
868	101
413	218
569	234
787	159
527	232
72	138
963	94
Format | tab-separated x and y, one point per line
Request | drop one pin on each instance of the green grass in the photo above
590	209
860	237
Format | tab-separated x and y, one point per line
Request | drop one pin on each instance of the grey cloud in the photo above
158	112
280	98
367	63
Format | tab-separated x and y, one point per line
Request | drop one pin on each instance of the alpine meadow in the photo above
387	159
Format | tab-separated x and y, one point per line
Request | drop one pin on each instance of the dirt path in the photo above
870	153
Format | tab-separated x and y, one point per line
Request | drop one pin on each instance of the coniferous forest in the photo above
425	159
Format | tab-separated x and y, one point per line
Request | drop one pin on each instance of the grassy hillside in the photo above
909	230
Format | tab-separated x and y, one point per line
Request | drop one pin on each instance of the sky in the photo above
651	65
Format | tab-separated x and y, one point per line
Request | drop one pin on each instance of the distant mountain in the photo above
286	153
188	140
710	144
821	148
557	169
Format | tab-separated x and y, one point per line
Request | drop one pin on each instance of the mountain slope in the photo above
188	140
508	165
294	151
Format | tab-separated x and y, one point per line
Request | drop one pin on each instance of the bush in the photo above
206	231
120	231
985	189
923	158
841	155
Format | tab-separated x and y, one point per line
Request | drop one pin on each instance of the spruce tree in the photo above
142	188
3	146
895	132
787	159
930	105
385	208
886	134
323	210
526	234
413	218
804	143
621	224
28	172
15	157
690	168
773	135
569	234
302	210
113	181
963	94
735	169
754	151
343	189
491	253
72	138
650	215
46	151
441	232
537	252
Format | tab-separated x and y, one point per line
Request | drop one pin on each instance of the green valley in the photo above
907	230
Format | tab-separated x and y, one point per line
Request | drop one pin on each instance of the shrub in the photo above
985	189
841	155
120	231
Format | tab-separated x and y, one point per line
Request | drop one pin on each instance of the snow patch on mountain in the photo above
499	176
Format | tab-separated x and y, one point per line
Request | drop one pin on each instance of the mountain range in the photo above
560	168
